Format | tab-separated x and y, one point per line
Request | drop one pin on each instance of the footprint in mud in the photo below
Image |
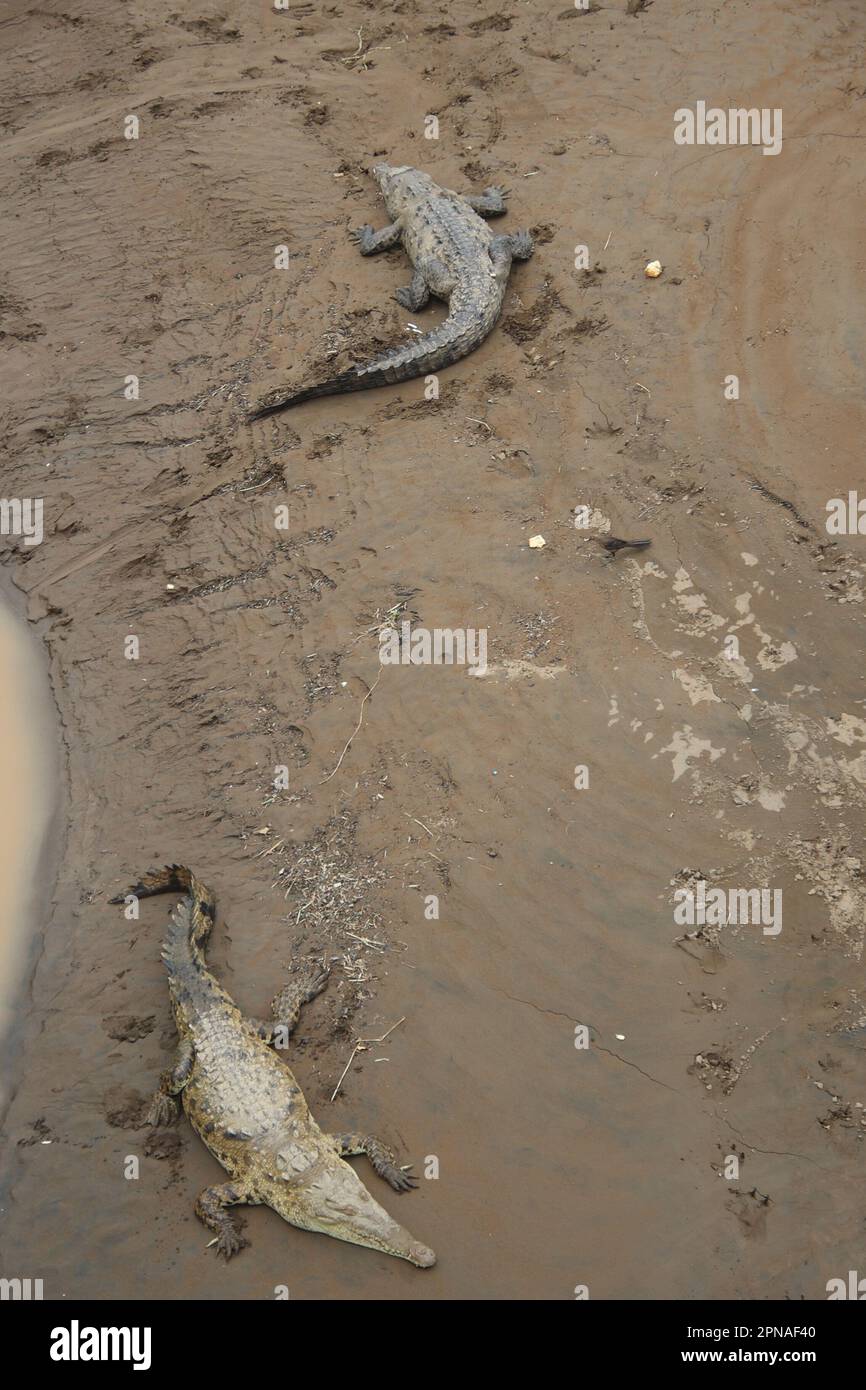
499	22
325	445
526	326
125	1108
750	1209
128	1028
15	321
542	233
317	115
41	1134
50	159
163	1144
210	28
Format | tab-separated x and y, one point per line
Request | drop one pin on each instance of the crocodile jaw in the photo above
333	1200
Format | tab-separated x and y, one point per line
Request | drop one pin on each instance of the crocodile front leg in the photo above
286	1006
163	1107
370	241
381	1157
415	295
211	1209
490	203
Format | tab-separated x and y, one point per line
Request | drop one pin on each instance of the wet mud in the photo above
739	765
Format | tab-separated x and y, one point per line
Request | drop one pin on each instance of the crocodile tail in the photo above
346	381
462	331
198	906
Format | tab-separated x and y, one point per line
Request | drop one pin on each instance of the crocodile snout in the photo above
421	1255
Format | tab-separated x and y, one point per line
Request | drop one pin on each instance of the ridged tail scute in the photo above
191	922
462	331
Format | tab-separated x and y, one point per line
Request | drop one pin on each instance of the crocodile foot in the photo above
307	981
211	1209
413	296
369	241
229	1241
399	1179
490	203
521	245
380	1156
161	1111
360	235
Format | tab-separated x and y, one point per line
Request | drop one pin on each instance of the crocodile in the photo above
455	257
246	1106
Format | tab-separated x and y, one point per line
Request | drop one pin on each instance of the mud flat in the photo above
742	767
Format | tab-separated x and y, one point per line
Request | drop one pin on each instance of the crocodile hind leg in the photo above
286	1006
163	1107
381	1157
369	241
490	203
415	295
511	246
211	1209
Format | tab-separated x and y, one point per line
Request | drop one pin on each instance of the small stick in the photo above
357	727
361	1046
345	1069
419	822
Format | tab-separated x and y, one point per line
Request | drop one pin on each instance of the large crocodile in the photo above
246	1106
456	258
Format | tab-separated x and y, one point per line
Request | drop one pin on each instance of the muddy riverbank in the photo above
196	648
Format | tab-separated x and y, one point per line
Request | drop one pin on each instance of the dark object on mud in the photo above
246	1106
614	545
456	258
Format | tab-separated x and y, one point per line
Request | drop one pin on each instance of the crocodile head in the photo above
400	184
331	1198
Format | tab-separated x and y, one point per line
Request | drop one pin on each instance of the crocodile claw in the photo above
161	1111
229	1242
398	1179
320	973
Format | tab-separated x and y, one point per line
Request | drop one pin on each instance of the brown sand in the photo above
153	257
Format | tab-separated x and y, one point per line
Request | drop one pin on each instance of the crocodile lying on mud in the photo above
456	258
246	1106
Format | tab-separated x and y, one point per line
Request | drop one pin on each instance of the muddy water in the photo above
28	787
556	1167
